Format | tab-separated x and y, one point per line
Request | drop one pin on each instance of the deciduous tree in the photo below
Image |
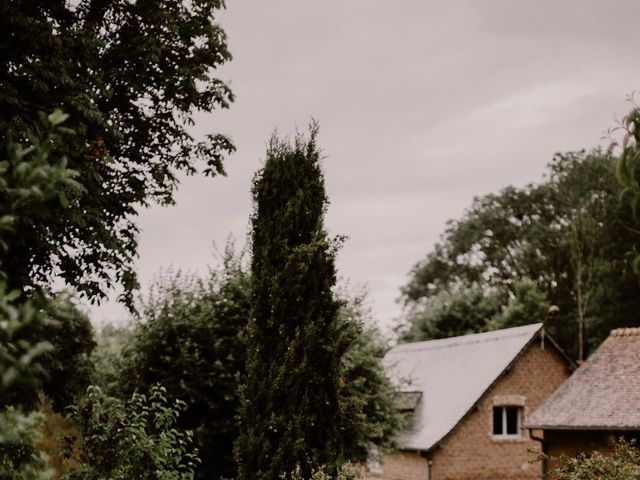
69	367
567	236
30	179
628	173
130	75
191	340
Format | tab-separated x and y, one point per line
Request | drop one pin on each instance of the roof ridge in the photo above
468	339
625	332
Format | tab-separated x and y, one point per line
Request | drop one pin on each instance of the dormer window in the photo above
506	421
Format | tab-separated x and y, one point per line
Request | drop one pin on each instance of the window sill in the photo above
508	438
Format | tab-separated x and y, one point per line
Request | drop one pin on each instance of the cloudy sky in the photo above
422	106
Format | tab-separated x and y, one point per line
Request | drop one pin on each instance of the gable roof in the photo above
452	374
603	394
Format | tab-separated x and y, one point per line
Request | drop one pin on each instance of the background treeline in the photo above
563	241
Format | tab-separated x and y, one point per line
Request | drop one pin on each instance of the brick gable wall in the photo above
471	451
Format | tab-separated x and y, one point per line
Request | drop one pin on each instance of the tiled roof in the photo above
452	374
603	394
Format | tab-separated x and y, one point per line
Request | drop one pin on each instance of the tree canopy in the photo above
368	406
628	172
566	237
30	179
129	75
66	369
191	340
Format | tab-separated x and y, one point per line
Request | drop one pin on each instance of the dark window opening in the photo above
506	421
497	421
512	420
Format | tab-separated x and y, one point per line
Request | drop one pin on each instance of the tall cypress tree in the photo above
289	413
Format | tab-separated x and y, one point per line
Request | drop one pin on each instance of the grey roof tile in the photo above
452	374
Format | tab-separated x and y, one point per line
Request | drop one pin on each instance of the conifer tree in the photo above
290	410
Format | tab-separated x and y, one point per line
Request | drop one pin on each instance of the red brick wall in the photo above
403	466
471	451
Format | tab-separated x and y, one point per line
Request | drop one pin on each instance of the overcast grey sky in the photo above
422	106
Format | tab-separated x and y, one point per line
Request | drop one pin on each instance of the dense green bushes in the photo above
622	464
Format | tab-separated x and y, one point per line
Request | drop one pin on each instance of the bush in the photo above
132	439
622	464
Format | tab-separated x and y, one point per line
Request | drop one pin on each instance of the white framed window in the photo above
506	421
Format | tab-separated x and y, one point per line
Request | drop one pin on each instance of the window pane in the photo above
497	421
512	420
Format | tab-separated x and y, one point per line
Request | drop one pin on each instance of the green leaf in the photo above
64	201
57	117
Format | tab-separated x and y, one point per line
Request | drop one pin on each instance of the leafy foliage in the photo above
345	472
130	75
19	460
107	357
192	341
628	173
28	182
447	314
368	413
69	368
290	401
566	236
622	464
475	309
129	439
31	184
528	305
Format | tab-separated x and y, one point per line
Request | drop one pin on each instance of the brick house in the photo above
468	397
598	403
